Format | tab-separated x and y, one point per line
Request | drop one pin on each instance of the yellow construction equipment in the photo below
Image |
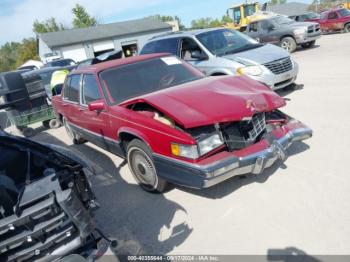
346	5
240	15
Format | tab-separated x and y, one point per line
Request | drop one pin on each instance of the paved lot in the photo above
305	204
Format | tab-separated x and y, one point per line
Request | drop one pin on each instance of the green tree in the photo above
14	54
168	18
49	25
8	56
82	18
27	50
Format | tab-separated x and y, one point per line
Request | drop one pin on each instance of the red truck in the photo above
173	124
337	19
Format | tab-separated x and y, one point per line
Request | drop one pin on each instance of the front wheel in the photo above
347	28
141	165
308	44
288	43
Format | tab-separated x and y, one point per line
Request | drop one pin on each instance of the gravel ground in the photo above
303	206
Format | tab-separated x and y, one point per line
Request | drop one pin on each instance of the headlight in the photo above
299	31
194	151
188	151
250	70
210	143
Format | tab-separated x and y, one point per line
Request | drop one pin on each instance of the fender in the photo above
135	133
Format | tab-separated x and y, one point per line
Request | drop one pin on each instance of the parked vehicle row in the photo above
175	125
285	32
337	19
228	52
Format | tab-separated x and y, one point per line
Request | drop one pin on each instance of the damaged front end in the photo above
45	202
224	150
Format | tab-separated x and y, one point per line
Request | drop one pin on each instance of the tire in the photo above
308	44
347	28
55	123
28	132
139	157
71	134
288	43
46	124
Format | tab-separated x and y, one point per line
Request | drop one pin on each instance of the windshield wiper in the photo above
243	48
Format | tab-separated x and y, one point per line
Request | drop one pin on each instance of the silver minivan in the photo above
222	51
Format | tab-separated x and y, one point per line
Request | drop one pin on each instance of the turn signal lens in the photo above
188	151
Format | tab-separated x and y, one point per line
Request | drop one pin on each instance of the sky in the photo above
17	16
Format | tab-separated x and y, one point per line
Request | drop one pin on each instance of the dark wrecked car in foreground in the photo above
46	202
175	125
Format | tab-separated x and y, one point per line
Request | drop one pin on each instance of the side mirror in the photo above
98	105
198	55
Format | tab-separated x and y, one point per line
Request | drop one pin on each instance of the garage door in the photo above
102	46
75	52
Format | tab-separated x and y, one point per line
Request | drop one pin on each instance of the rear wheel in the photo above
288	43
76	139
141	165
347	28
309	44
55	123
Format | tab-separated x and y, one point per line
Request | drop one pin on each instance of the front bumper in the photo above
278	81
209	174
307	38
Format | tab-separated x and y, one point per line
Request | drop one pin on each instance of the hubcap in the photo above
143	168
286	45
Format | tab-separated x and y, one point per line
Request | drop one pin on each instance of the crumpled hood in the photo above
261	55
214	100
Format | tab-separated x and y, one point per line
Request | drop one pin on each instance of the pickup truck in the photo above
335	20
173	124
285	32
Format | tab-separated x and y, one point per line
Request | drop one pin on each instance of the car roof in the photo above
184	33
332	10
96	68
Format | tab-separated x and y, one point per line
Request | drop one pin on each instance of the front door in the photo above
188	48
94	124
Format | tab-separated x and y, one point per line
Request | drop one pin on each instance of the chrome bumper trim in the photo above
256	163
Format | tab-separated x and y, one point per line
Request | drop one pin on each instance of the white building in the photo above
83	43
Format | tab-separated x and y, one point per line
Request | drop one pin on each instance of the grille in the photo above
238	135
313	28
40	228
258	124
280	66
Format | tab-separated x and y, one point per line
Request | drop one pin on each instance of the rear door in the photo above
70	100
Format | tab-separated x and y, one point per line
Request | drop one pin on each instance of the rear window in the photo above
71	91
128	81
170	45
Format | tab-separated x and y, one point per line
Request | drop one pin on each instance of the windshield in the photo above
313	16
125	82
282	20
344	12
224	41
